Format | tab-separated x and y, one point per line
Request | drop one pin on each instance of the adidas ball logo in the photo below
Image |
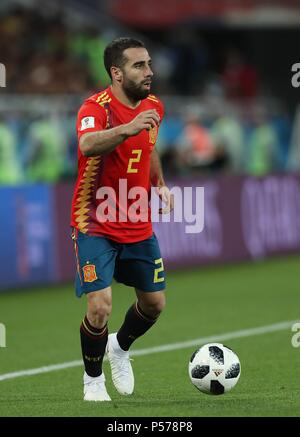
218	372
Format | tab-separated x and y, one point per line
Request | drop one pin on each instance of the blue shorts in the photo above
100	259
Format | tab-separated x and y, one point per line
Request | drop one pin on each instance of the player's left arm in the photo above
157	180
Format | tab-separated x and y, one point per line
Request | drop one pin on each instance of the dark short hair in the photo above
113	53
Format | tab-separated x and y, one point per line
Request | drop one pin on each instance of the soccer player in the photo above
112	232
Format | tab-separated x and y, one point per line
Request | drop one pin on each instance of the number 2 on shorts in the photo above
158	270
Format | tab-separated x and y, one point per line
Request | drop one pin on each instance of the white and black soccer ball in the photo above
214	369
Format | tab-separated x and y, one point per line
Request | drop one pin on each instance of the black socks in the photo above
93	344
136	323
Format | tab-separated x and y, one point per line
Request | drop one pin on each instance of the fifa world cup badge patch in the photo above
153	135
87	123
89	273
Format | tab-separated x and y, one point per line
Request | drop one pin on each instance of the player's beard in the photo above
134	91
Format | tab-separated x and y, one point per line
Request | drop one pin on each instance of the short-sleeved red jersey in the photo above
129	163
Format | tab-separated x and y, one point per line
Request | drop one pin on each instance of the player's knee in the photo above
99	307
155	306
99	312
98	315
159	306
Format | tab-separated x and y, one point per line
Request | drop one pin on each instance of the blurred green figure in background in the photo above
10	170
45	158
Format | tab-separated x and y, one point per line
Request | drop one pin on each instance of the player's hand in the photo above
166	197
144	120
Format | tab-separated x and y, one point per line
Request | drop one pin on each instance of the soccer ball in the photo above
214	369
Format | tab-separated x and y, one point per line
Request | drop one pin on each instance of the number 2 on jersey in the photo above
138	153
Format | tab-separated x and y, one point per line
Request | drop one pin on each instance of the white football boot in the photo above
94	388
121	370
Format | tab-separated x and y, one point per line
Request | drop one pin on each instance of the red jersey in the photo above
127	165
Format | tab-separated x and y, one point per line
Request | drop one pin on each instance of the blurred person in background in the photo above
227	133
264	155
196	151
239	77
169	131
10	168
44	159
89	47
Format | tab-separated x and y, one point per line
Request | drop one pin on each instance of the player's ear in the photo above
116	74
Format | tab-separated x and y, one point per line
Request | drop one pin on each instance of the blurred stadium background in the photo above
232	125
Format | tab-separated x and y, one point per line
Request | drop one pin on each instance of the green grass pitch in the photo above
42	328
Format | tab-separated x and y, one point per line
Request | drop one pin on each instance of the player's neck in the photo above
123	98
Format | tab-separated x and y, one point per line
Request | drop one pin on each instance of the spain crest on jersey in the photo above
89	273
153	135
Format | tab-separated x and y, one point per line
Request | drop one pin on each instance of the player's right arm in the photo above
104	140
